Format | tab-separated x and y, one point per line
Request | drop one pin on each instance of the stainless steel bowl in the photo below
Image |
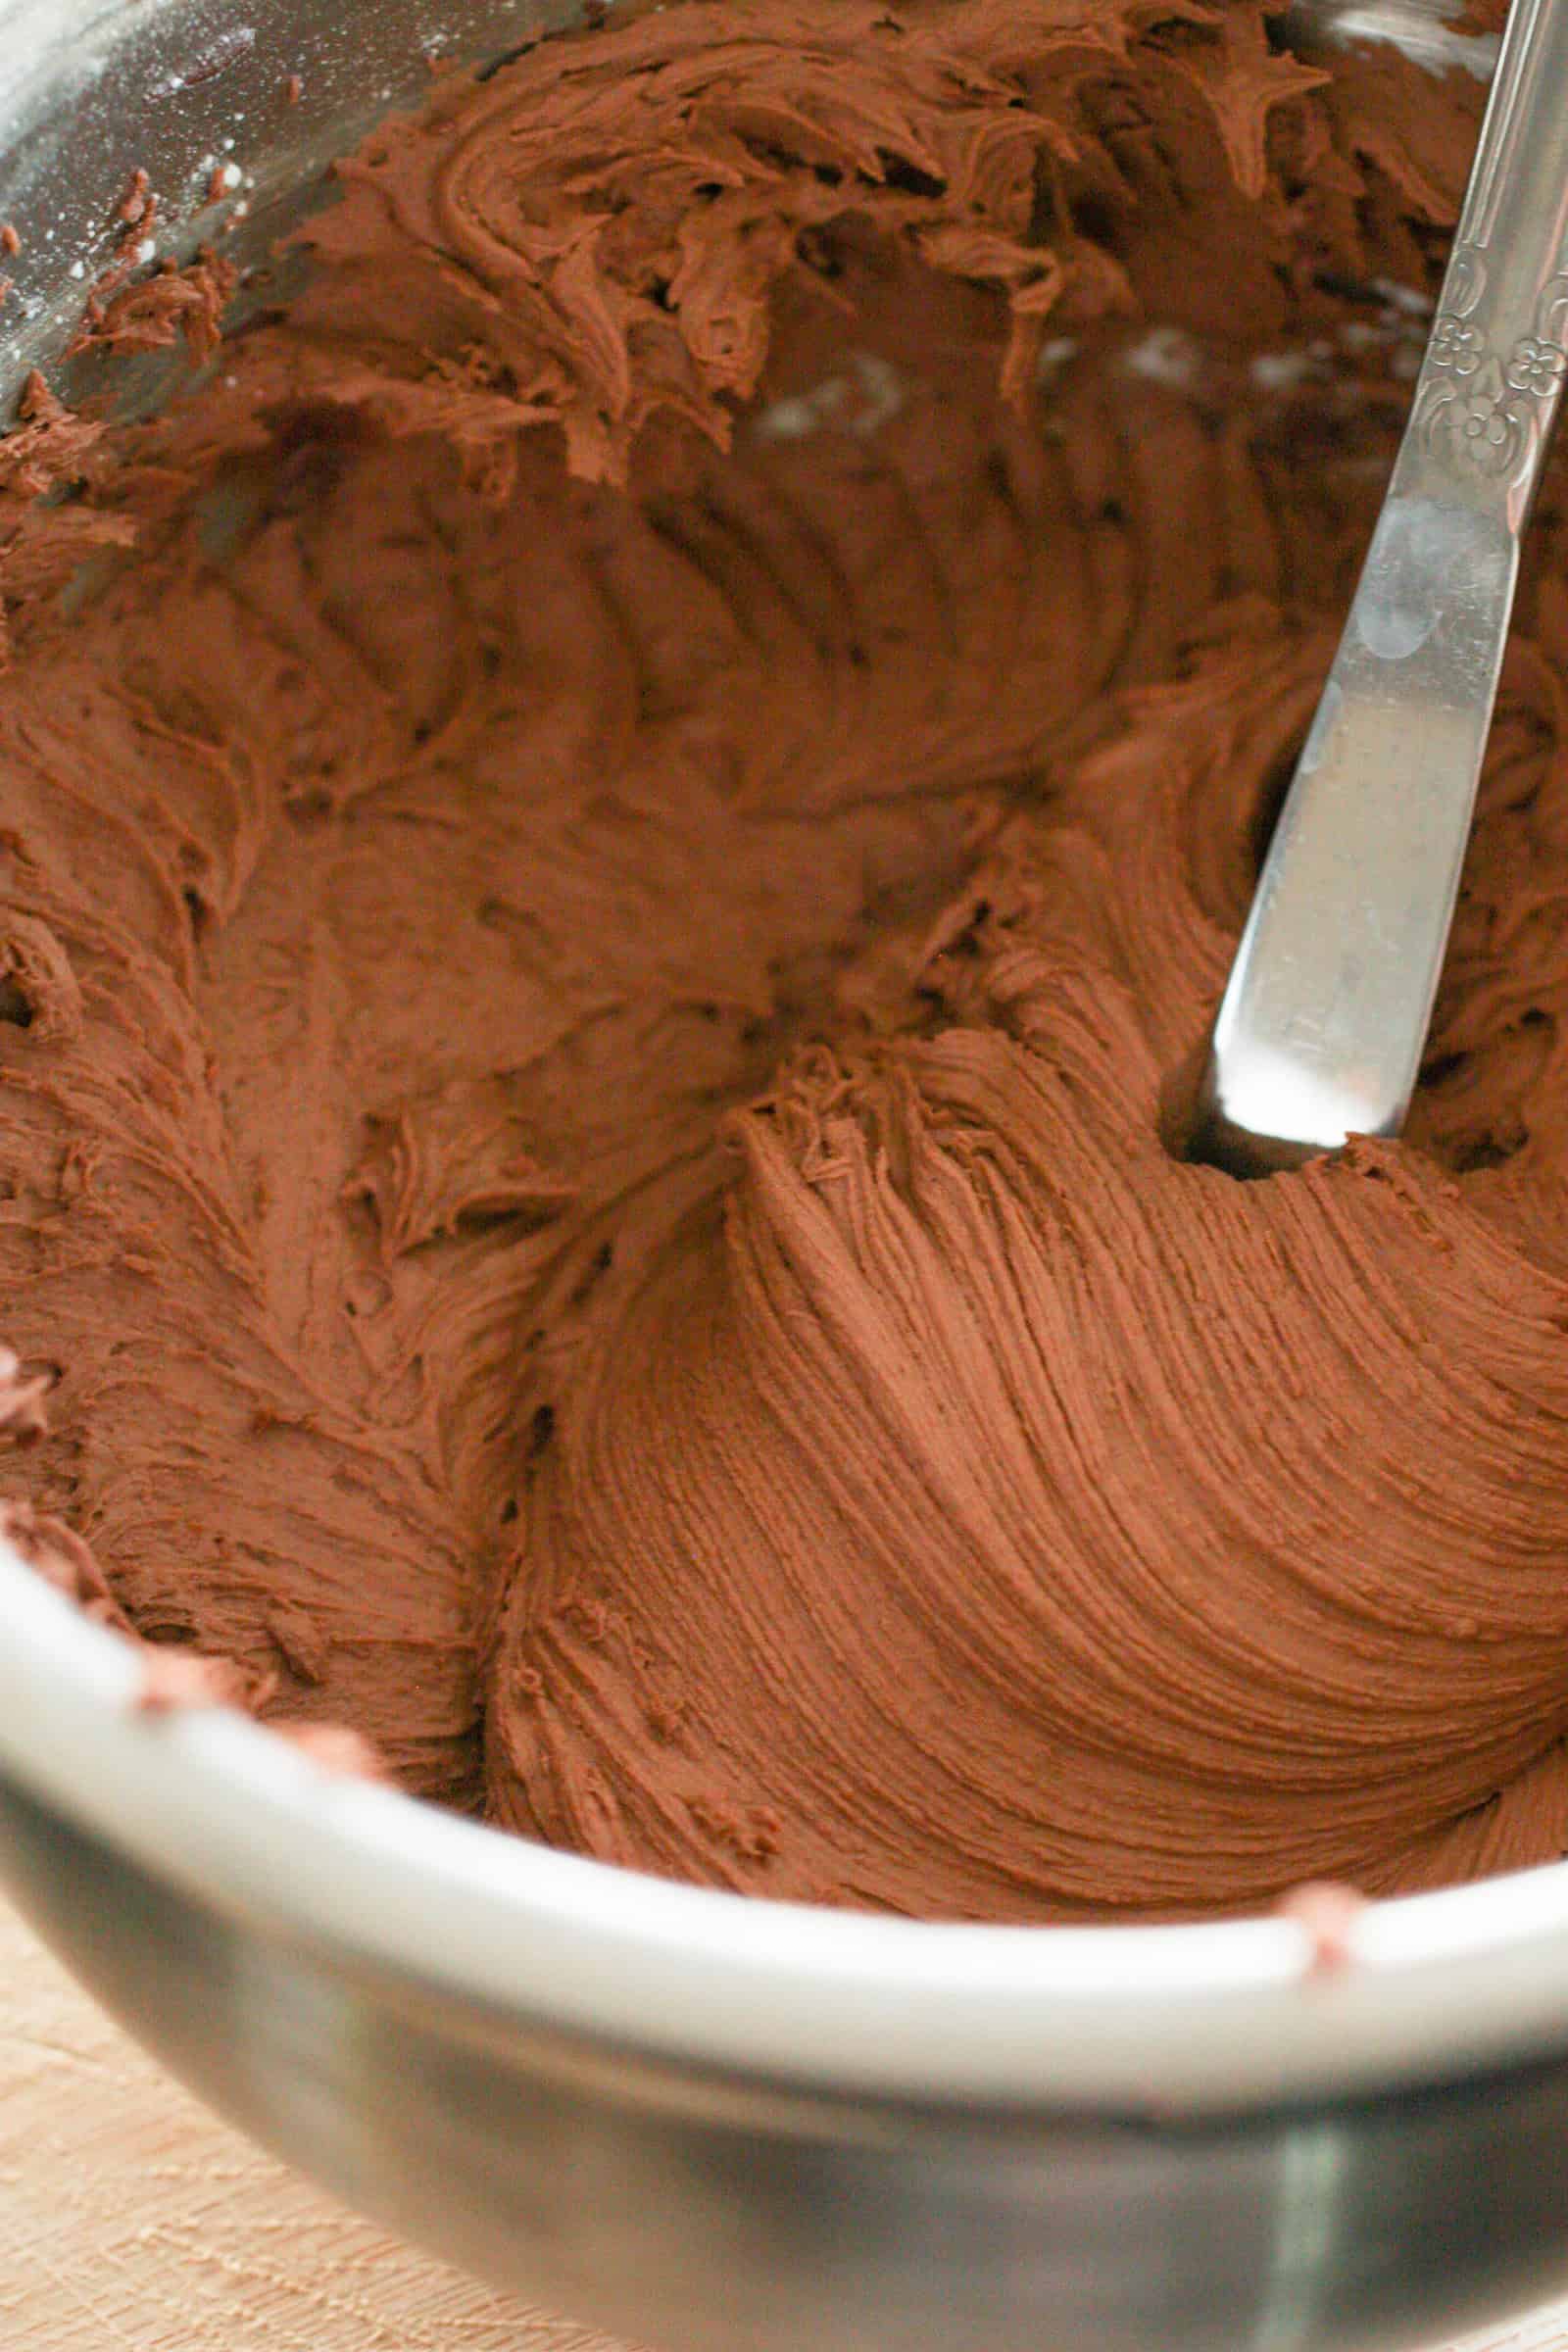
710	2122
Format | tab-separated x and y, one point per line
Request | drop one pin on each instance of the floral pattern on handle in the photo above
1482	406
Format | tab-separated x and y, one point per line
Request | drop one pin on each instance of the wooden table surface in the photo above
132	2221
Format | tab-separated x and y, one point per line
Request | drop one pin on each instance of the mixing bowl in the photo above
707	2120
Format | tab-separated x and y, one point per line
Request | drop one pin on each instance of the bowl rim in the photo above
1180	2022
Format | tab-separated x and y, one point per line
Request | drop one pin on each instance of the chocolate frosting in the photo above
602	930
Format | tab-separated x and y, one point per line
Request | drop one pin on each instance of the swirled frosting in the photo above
602	923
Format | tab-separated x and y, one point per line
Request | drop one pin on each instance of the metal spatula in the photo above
1321	1030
